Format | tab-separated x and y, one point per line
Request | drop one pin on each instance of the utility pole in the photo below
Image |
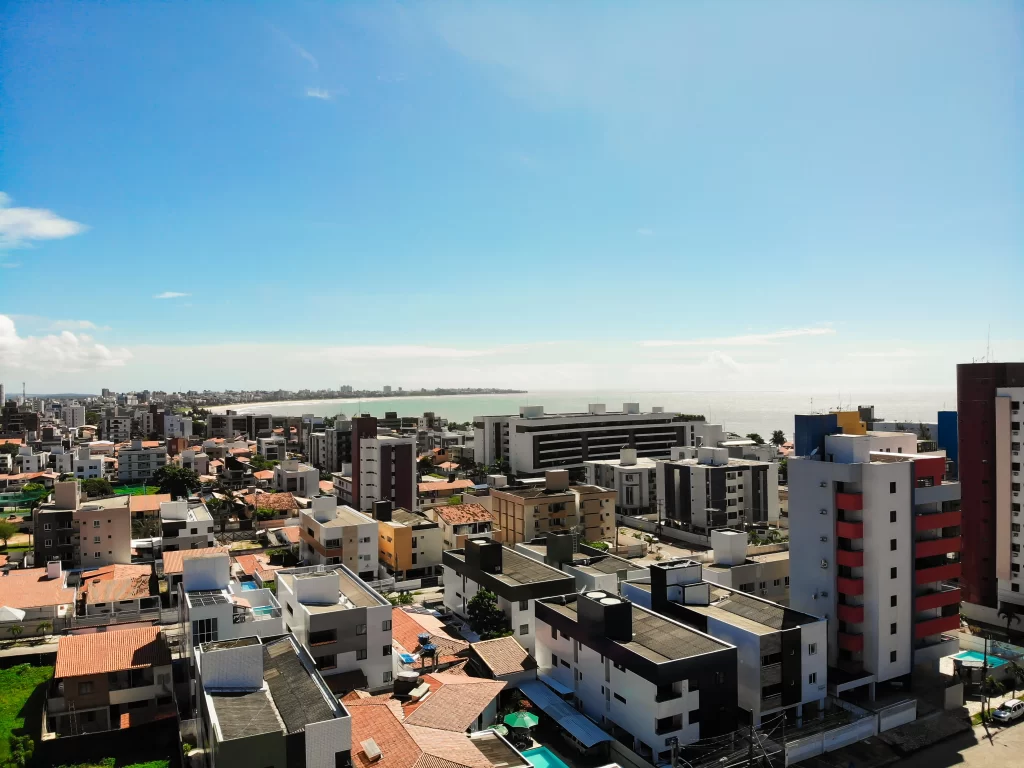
984	684
750	742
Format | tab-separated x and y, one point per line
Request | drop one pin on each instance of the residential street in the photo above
976	749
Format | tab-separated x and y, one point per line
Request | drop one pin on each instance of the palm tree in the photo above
45	627
1011	613
778	438
16	631
1016	675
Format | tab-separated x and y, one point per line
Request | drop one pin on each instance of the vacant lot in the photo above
20	710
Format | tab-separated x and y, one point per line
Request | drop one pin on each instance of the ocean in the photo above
740	412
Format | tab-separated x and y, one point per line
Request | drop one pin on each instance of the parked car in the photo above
1008	711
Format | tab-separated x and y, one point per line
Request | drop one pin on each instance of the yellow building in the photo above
408	544
850	423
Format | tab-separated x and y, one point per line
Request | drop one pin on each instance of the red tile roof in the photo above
326	486
455	485
173	560
279	502
504	656
10	441
150	503
373	719
264	474
29	588
459	514
111	651
253	564
405	632
456	704
115	582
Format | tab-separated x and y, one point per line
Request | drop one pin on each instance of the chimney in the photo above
382	511
596	409
484	555
730	547
604	614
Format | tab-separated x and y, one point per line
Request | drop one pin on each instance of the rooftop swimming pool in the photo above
248	585
542	757
993	661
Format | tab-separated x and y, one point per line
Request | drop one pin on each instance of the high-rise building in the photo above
877	528
383	466
976	390
1008	496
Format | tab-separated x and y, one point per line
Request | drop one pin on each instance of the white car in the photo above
1008	711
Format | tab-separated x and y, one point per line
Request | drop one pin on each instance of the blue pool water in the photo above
993	661
263	610
248	585
542	757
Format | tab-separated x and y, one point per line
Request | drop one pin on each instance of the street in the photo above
997	747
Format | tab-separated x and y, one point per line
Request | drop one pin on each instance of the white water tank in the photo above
627	457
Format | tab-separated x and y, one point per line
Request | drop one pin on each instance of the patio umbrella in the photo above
521	720
501	730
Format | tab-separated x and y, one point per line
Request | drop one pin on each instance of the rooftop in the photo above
460	514
279	502
444	485
456	704
150	503
30	588
246	713
533	491
504	656
770	557
111	651
115	582
751	613
517	568
344	516
405	631
173	560
356	592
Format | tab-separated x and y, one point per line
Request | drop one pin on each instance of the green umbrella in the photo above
521	720
500	729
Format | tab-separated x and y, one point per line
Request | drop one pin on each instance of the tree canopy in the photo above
758	440
778	438
7	530
485	617
177	481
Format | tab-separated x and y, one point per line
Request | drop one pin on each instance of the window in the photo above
564	663
619	698
892	657
694	716
771	658
387	677
385	625
48	543
812	648
892	572
554	633
892	601
777	582
95	539
203	631
360	629
524	604
892	516
763	585
892	487
84	688
812	678
892	545
892	628
97	556
326	662
524	629
95	523
1015	587
360	654
554	660
787	581
46	526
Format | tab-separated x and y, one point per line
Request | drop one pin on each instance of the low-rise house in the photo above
333	534
265	507
86	465
119	590
255	570
648	680
409	544
441	489
419	647
461	521
504	659
517	580
173	566
295	477
196	460
343	623
109	680
212	606
147	506
263	703
185	525
41	595
781	654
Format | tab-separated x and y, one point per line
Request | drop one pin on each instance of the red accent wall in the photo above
933	468
405	462
976	385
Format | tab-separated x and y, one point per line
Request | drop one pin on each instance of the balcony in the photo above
936	626
851	502
945	645
937	520
852	558
937	573
852	614
665	693
932	494
847	530
931	547
937	599
850	586
850	642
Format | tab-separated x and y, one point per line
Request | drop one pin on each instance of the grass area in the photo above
110	762
976	719
136	490
238	545
22	693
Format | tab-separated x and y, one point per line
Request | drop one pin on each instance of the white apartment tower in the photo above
1008	495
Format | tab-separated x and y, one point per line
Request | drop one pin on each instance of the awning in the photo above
564	690
578	725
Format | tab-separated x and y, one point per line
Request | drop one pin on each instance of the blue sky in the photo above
436	194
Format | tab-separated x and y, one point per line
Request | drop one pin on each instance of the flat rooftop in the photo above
245	714
771	557
532	491
354	589
517	568
737	463
606	563
642	462
655	637
345	516
761	617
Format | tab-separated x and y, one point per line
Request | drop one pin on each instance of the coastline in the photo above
245	407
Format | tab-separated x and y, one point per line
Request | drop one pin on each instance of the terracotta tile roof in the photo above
238	451
458	514
29	588
216	463
115	582
173	560
456	704
405	632
139	503
445	748
455	485
110	651
253	564
151	443
504	656
264	474
10	441
291	532
326	486
459	668
373	719
448	465
279	502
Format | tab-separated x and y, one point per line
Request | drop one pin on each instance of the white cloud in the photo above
645	232
20	226
77	325
296	47
748	340
319	93
171	295
64	352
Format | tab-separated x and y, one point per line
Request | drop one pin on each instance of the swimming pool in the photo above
542	757
249	585
263	610
993	661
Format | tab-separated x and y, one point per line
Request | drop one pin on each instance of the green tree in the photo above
7	530
758	440
16	631
1016	675
20	749
177	481
485	617
401	598
33	488
45	627
9	448
1012	614
93	417
778	438
97	486
425	465
259	463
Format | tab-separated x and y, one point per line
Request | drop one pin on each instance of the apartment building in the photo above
214	607
262	702
272	448
781	655
86	466
342	622
103	534
701	489
878	532
518	582
105	678
383	467
176	426
186	525
982	478
647	679
595	511
534	441
331	450
295	477
73	415
330	534
590	568
196	460
461	521
1008	496
116	428
633	479
27	461
54	527
764	575
408	543
523	511
139	462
